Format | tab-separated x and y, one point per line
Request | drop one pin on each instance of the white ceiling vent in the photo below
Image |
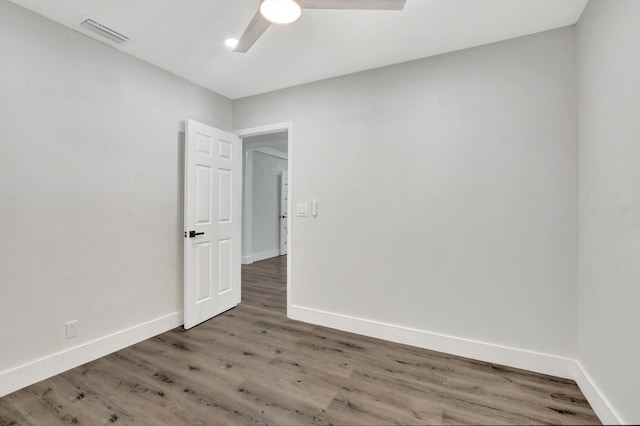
104	32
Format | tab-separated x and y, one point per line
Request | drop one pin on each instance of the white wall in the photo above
266	203
277	141
90	187
609	174
446	191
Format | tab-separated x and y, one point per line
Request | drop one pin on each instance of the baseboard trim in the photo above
43	368
600	404
257	257
495	354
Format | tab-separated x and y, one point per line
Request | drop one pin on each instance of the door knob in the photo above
193	234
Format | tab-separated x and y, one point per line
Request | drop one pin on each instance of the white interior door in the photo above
213	191
284	203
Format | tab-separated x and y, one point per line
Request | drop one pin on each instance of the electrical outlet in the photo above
71	329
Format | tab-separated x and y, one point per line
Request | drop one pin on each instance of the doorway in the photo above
265	196
267	187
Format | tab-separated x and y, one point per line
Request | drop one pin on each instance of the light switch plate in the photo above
302	210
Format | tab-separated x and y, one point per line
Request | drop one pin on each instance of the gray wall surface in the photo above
90	186
446	191
451	197
609	174
266	202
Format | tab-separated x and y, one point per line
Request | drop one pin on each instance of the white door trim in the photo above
263	130
247	212
283	212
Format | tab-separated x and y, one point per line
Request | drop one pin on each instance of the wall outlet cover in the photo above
71	329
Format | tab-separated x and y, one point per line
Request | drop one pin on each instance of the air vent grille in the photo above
103	31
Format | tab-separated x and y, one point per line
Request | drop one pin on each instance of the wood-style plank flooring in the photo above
252	365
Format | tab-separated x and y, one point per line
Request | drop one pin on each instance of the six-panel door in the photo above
213	191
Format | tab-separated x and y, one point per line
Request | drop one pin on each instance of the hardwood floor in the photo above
252	365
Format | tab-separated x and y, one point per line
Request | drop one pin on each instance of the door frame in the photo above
264	130
283	222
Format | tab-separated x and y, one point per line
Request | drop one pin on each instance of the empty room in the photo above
341	212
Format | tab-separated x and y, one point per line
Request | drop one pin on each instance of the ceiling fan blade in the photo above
353	4
252	33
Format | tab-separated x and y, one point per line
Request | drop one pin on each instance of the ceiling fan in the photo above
288	11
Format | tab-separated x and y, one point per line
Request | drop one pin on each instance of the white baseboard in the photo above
257	257
496	354
600	404
43	368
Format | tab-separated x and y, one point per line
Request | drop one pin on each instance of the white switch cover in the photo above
303	210
314	208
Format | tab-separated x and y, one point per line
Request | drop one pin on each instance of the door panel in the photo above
224	195
225	266
212	213
203	195
203	271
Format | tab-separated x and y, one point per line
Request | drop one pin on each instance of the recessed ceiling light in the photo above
280	11
231	43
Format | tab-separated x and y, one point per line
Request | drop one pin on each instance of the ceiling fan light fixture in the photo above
280	11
